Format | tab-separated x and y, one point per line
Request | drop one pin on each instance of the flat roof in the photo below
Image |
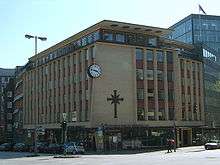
108	24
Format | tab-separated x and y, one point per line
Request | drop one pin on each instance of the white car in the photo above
74	148
212	144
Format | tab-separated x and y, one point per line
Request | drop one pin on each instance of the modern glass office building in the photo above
204	30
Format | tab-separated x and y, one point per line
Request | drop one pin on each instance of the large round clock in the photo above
94	71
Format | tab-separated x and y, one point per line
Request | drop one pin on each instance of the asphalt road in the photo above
183	156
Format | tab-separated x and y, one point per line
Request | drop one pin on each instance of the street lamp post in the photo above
35	44
35	39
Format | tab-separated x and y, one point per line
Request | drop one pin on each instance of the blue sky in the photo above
59	19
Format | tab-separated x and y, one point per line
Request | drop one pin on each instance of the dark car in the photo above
212	144
20	147
55	148
6	147
41	147
74	148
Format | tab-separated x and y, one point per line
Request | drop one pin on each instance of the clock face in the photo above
94	71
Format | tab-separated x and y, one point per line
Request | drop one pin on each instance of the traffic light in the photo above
64	125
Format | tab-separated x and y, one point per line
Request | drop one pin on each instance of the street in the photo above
183	156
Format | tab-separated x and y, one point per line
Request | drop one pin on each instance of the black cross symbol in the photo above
115	100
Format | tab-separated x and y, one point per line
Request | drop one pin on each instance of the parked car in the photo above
41	147
212	144
20	147
6	147
74	148
55	148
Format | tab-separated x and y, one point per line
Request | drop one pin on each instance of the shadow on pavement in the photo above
11	155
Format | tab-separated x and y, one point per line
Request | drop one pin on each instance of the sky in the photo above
60	19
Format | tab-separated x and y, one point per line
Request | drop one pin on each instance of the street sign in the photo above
64	116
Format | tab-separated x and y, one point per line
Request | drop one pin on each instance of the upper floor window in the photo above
107	36
139	54
169	76
152	41
120	37
140	94
161	95
150	74
169	57
131	38
139	74
140	113
96	35
160	75
150	55
160	56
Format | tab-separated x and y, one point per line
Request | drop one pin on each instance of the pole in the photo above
174	135
35	43
35	126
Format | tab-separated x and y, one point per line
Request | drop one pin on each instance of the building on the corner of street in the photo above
5	76
204	30
118	85
18	105
8	96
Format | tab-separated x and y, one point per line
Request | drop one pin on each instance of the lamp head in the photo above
28	36
42	38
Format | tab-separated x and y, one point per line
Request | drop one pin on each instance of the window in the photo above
150	55
120	37
161	114
160	75
169	57
131	38
96	35
161	95
90	39
3	79
139	74
151	114
6	79
140	113
140	94
152	41
107	36
149	74
150	94
160	56
141	40
84	41
171	113
170	95
169	76
139	54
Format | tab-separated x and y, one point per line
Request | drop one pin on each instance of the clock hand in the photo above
95	70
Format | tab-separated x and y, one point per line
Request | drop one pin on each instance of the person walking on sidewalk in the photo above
169	145
173	144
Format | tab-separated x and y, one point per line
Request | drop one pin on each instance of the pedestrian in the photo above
169	145
173	145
